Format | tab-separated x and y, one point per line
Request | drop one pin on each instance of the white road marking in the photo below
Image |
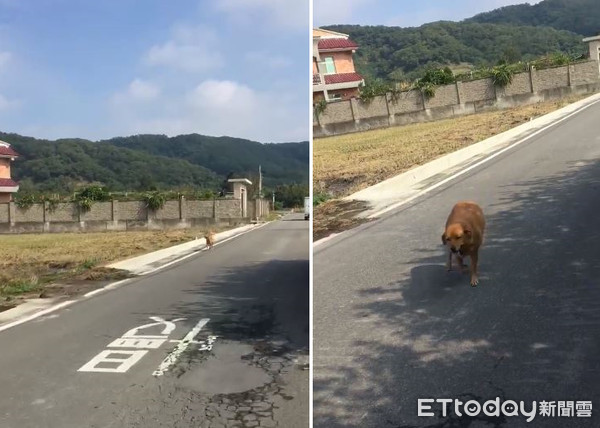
130	340
122	364
185	342
169	327
36	315
107	287
145	342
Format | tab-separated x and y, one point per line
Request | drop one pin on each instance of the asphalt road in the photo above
252	293
391	326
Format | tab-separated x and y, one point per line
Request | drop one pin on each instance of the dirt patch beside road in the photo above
336	216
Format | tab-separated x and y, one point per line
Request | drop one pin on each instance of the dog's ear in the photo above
444	239
468	233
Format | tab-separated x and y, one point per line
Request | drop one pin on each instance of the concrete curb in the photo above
140	265
404	186
146	263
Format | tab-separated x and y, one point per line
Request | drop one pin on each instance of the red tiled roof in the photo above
7	182
336	44
7	151
342	78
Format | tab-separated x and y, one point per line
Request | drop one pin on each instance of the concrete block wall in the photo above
446	95
132	210
115	215
457	99
521	84
4	213
199	209
550	78
34	214
63	212
406	102
584	73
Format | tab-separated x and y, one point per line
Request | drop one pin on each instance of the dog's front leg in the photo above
474	278
449	262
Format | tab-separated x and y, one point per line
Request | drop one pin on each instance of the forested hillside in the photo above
145	162
397	54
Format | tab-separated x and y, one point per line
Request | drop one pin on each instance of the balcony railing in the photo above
317	80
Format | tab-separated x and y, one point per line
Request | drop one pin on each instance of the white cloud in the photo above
222	107
284	14
138	90
263	58
222	95
189	48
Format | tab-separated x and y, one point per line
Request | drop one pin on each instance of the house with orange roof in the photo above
334	75
7	185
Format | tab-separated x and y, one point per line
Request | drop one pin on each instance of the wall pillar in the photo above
532	79
46	219
181	207
354	109
391	116
114	210
12	213
459	92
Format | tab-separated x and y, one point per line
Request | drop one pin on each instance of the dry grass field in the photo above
44	264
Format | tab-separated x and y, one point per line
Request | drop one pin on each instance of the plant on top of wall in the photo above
502	75
85	204
86	197
154	200
434	77
428	89
373	88
94	193
25	201
52	202
319	107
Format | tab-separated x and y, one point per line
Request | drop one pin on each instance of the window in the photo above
329	65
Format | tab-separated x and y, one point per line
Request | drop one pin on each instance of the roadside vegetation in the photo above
431	77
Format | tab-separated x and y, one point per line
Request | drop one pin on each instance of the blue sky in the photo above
402	13
99	69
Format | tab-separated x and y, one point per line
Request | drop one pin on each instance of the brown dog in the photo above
210	239
464	235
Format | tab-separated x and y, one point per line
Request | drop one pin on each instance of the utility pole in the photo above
259	182
273	201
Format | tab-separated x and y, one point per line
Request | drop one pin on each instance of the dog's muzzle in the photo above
454	250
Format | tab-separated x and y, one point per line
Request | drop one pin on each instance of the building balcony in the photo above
323	82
